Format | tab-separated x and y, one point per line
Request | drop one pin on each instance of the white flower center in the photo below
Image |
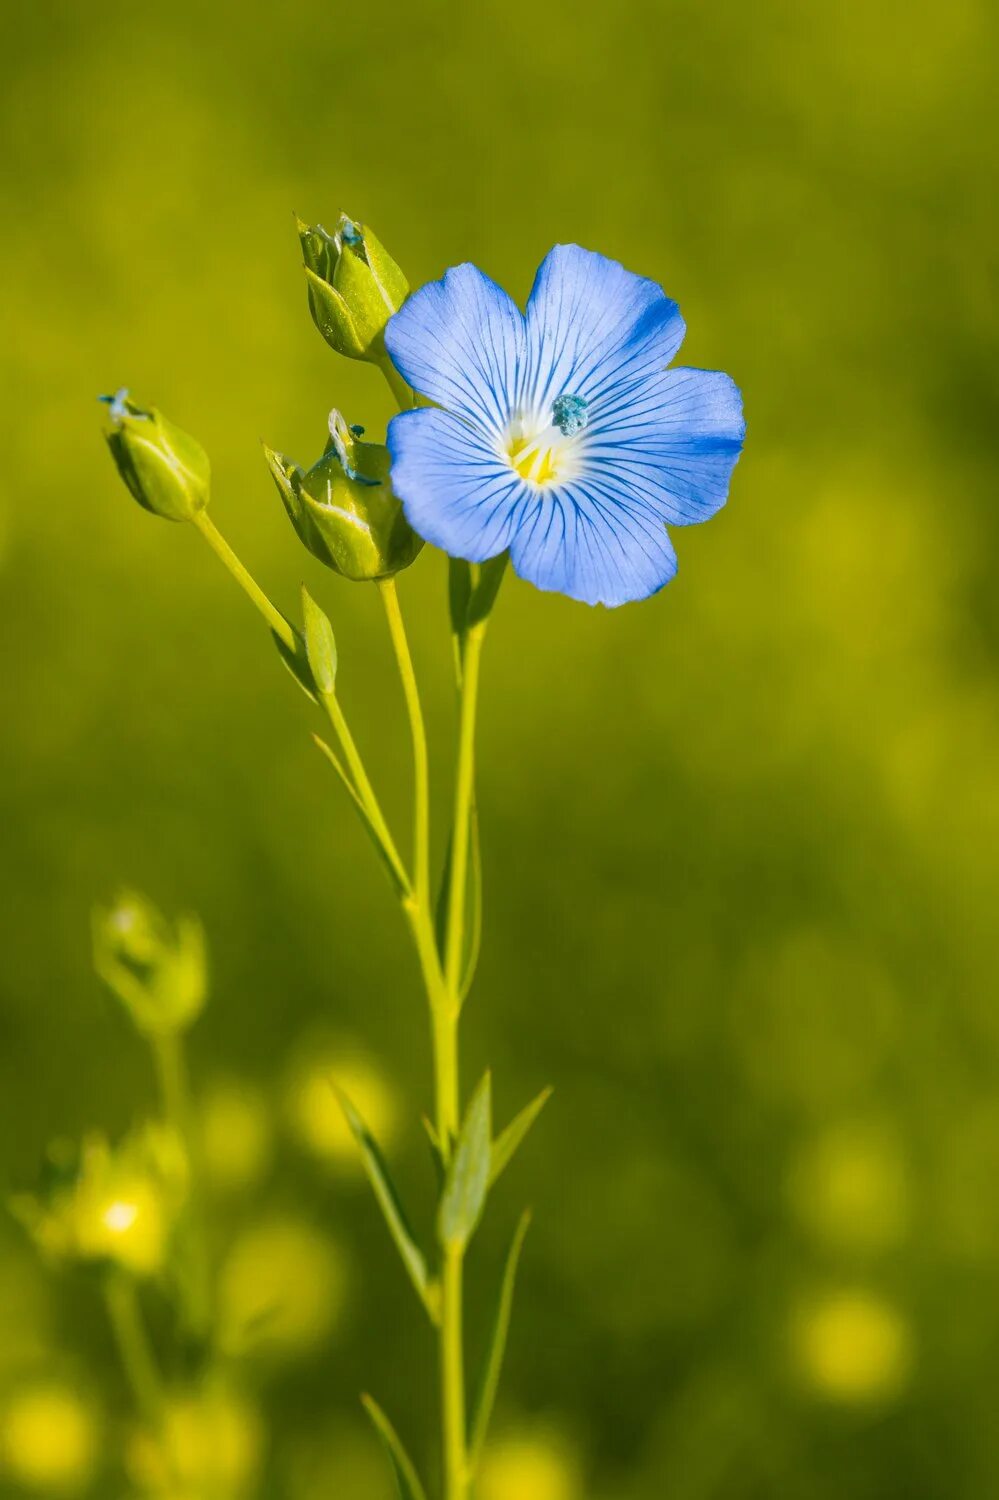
119	1217
546	448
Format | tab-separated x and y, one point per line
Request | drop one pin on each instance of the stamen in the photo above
569	413
118	405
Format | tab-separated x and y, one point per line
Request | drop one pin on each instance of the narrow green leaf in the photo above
406	1478
320	647
490	576
467	1181
507	1141
389	1203
489	1379
297	662
459	592
398	883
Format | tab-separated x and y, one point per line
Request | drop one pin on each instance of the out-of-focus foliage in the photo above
740	842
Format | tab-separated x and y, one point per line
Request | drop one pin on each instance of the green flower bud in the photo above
165	469
354	286
343	508
158	972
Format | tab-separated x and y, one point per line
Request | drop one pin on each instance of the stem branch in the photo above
133	1346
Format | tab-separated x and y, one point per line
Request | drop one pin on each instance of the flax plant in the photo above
557	441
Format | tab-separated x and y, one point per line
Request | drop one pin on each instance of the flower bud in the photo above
158	972
354	286
343	507
164	468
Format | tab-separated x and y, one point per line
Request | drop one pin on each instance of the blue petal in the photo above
594	328
595	541
674	442
455	488
460	341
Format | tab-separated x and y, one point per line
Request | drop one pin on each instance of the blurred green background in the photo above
740	841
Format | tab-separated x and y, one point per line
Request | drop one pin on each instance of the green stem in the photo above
453	1378
403	393
168	1051
362	782
246	581
133	1346
464	784
421	773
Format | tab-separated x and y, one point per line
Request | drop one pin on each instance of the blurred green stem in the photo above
453	1378
168	1051
246	581
133	1346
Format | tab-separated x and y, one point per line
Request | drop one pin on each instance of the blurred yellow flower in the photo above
530	1466
850	1188
211	1445
281	1289
853	1346
236	1139
105	1203
316	1118
48	1438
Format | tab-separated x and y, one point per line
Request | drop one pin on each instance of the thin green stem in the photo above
246	581
133	1346
453	1378
464	785
168	1052
446	1075
362	782
403	393
421	773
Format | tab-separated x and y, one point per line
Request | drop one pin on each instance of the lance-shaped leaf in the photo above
396	875
489	1379
467	1181
459	593
320	647
391	1206
507	1141
485	588
406	1478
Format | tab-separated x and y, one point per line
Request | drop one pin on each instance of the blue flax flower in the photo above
560	434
